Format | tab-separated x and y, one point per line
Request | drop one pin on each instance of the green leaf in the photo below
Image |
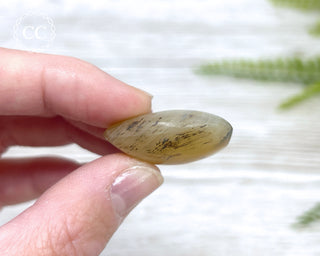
315	29
309	217
284	70
307	93
304	5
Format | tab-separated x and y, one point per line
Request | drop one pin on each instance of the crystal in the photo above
170	137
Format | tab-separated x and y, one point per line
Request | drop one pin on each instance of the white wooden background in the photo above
243	200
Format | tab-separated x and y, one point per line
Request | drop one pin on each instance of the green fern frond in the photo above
315	29
307	93
309	217
283	70
305	5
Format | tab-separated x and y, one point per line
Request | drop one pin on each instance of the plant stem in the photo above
304	5
284	70
308	217
307	93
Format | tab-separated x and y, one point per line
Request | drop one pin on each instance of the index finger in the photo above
37	84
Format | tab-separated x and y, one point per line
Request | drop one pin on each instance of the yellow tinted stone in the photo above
170	137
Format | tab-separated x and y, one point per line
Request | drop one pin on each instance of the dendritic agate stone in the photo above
170	137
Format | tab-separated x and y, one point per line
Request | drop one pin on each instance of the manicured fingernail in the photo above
132	185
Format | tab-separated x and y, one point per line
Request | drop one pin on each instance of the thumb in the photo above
79	214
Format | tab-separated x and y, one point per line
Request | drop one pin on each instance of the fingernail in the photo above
132	185
145	93
148	94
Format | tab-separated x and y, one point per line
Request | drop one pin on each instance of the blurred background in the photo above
245	199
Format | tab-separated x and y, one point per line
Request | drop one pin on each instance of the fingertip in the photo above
80	213
91	96
66	86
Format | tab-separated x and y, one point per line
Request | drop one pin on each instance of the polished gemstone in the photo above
170	137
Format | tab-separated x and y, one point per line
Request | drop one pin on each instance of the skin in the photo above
48	100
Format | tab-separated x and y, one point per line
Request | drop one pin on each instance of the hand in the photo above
48	100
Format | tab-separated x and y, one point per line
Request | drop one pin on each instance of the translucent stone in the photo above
170	137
